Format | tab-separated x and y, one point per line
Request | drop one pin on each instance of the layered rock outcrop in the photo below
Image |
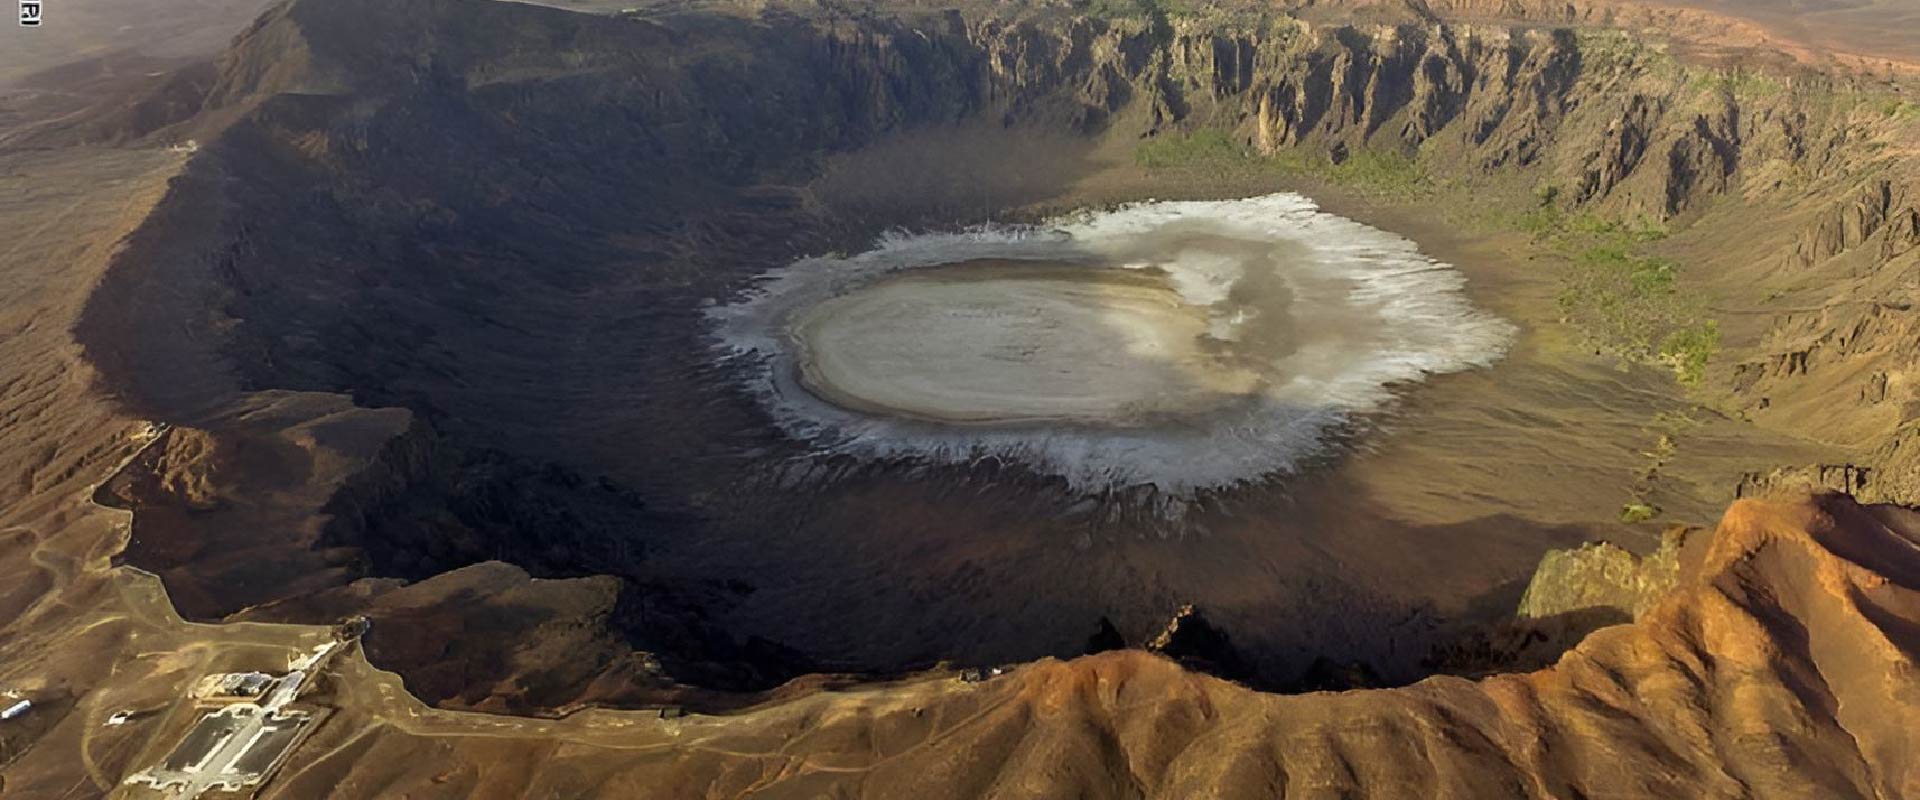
1603	575
1779	666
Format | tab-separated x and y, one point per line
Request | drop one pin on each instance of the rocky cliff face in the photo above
688	104
1776	668
1605	576
1622	122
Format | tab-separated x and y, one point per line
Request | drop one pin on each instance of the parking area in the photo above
233	748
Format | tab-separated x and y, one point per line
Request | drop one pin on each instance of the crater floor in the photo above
1179	345
1001	342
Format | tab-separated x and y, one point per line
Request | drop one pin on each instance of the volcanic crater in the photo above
1035	401
710	354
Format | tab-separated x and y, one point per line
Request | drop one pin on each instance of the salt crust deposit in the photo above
1187	345
1004	343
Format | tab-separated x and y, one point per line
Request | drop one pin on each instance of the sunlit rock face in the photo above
1187	345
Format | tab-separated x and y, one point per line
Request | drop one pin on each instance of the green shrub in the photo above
1540	222
1640	230
1380	171
1638	512
1739	82
1548	221
1204	148
1689	349
1631	304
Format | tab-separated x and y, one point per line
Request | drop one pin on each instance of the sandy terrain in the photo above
92	38
1882	28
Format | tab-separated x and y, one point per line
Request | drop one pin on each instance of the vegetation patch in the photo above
1385	172
1898	108
1216	152
1638	512
1689	349
1549	222
1205	149
1739	83
1670	426
1620	298
1619	49
1624	301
